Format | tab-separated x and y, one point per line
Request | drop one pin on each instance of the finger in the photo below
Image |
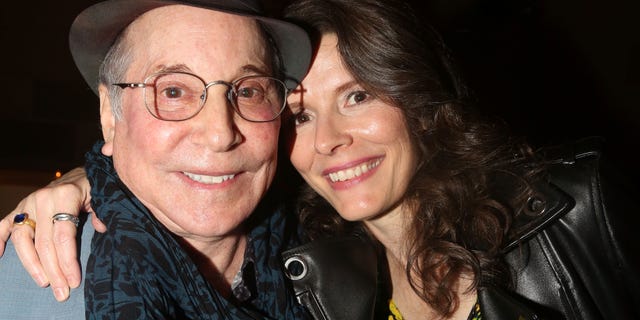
97	224
6	225
64	238
22	238
56	247
5	232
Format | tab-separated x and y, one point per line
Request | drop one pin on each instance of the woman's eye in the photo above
357	97
301	117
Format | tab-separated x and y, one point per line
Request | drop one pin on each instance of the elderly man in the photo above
190	97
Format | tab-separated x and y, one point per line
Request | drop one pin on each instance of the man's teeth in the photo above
208	179
351	173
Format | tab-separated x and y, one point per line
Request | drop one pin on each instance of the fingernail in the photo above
73	282
41	280
61	294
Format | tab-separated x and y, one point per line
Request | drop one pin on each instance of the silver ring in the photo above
66	217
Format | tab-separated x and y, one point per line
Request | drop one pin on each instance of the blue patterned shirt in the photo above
138	270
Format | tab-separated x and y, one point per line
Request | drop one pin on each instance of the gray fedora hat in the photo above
96	28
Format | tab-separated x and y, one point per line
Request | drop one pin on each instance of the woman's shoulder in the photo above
579	222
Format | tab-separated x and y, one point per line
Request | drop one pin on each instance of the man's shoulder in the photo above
134	246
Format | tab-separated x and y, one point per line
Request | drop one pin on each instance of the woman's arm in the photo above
52	259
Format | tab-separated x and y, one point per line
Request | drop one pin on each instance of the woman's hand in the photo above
53	259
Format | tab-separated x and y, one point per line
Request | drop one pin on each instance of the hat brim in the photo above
96	28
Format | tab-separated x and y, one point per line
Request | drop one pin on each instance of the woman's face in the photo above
352	148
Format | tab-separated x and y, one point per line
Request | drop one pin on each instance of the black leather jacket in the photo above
577	254
572	253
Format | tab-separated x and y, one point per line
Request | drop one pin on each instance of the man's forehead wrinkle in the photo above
172	68
248	69
253	69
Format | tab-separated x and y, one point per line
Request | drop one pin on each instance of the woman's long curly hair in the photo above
461	216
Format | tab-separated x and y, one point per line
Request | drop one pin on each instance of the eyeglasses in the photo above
177	96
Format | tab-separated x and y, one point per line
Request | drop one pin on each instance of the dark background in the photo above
555	70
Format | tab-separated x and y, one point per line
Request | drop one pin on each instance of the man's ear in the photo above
107	120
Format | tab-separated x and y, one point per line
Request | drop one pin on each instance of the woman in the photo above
388	140
384	135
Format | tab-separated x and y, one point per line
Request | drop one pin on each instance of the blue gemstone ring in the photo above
66	217
23	218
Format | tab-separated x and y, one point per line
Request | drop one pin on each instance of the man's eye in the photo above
245	92
250	92
173	92
357	97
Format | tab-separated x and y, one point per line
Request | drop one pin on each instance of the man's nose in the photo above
216	122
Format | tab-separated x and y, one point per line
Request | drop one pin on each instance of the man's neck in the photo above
218	260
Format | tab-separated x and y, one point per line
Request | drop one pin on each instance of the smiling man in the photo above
190	98
198	155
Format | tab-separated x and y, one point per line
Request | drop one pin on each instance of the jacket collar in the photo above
546	204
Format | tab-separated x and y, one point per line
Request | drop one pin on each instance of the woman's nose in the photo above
331	134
